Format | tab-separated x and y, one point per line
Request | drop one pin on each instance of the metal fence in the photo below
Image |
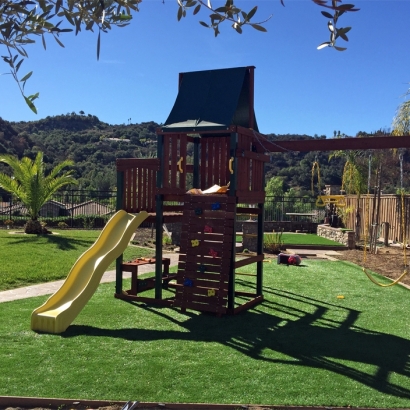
301	209
74	208
92	209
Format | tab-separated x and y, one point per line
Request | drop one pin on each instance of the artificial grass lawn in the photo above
306	239
30	259
301	346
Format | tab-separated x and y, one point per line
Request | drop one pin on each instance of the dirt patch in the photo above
146	237
388	261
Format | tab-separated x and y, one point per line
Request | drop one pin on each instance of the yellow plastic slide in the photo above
55	315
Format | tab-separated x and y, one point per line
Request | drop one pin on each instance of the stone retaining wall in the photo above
337	235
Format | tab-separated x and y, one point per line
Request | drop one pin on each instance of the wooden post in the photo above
158	221
259	250
119	205
386	233
232	192
196	163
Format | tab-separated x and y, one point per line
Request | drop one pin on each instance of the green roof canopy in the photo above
213	100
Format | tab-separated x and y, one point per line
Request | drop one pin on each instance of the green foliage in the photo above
354	176
273	242
30	183
275	187
401	121
77	137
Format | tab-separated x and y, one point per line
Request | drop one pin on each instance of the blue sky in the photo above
298	89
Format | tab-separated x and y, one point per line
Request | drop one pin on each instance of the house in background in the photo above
54	209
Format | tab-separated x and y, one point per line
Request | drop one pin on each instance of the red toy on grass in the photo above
289	259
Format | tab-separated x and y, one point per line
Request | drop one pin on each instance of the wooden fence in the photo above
390	211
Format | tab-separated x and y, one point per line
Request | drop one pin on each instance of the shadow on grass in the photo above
309	335
61	242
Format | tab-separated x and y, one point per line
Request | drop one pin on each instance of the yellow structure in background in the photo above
59	311
338	200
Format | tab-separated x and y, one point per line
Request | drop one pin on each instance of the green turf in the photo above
302	346
306	239
30	259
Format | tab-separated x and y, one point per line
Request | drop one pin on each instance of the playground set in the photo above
214	115
214	112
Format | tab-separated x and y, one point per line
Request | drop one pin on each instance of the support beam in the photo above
334	144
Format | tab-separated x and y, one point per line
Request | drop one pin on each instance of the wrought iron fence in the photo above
92	209
293	209
73	209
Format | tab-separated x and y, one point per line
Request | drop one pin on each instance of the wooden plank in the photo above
199	283
247	305
224	161
250	197
203	167
193	234
128	181
127	163
248	261
209	214
183	154
152	188
209	269
142	188
210	164
210	198
165	159
252	155
204	248
205	260
207	276
258	182
199	224
174	160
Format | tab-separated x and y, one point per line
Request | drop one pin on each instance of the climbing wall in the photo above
206	252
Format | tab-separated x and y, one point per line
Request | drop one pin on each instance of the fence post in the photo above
72	208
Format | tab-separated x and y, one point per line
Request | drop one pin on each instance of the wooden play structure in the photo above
214	112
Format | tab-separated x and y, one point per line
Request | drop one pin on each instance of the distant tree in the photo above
30	184
22	21
275	187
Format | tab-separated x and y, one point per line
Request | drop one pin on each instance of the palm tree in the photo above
30	184
401	121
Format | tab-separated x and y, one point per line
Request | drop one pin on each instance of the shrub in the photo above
273	242
62	225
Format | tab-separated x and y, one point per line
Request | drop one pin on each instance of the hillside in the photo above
94	145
